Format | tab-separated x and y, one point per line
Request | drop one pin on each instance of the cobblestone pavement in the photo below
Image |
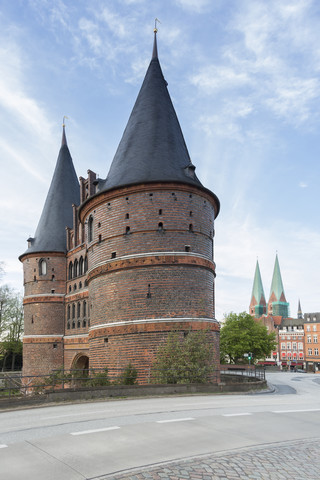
299	460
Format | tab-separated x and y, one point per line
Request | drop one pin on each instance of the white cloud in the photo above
90	31
293	99
9	151
273	60
303	185
116	24
217	78
197	6
17	103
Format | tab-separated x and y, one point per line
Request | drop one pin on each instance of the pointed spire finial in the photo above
155	49
64	138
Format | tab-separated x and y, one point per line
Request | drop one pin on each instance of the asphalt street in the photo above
107	439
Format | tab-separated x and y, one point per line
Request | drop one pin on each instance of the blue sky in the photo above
244	79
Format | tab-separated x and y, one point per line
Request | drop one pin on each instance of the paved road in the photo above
94	440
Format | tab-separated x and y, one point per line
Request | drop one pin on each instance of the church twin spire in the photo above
277	304
258	301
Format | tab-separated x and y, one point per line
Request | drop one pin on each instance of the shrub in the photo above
184	360
128	376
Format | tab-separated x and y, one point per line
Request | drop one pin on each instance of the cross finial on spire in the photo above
155	49
155	24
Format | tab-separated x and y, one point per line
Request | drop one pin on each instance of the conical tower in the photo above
258	302
152	148
149	232
299	314
44	265
277	304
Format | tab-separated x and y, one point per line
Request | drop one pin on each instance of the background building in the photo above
312	340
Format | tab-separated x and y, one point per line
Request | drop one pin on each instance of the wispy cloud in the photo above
217	78
197	6
274	60
13	97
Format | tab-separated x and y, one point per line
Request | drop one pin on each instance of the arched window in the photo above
70	270
84	309
78	310
69	312
81	266
42	267
73	310
90	229
75	268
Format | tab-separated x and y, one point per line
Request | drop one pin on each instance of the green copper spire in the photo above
258	301
277	304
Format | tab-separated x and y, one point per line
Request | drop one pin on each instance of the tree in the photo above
11	326
241	334
184	359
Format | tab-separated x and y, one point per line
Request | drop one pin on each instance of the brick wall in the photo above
115	346
43	312
148	269
150	259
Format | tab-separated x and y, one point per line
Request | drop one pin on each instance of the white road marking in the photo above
235	414
3	446
195	404
84	432
175	420
297	411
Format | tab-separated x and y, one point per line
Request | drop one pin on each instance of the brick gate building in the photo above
117	264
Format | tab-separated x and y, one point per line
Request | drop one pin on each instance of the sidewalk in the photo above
298	460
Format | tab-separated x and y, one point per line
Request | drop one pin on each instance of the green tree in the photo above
241	334
11	326
184	359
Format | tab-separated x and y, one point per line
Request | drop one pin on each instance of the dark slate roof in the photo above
57	212
152	147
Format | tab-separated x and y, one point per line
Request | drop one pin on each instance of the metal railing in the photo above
18	385
244	370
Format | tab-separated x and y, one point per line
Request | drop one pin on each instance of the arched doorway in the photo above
80	362
80	370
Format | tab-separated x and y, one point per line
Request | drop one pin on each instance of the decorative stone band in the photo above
151	260
44	298
26	255
72	297
42	338
153	325
71	337
76	342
